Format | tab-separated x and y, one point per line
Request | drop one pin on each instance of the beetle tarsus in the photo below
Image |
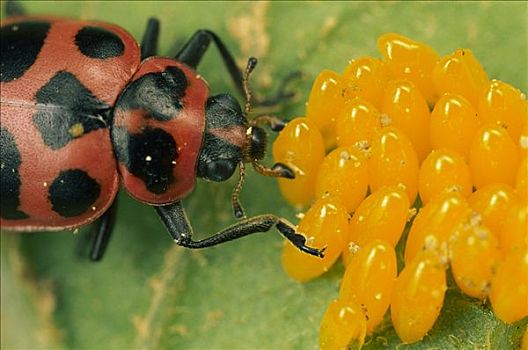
298	239
284	170
278	126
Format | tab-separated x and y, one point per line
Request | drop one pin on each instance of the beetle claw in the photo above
283	170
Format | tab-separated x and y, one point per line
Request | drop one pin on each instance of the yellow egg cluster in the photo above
374	139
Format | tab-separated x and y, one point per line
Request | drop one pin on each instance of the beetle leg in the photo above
175	220
104	228
193	51
149	43
14	8
283	92
238	210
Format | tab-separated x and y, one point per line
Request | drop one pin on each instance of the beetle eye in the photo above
220	170
258	143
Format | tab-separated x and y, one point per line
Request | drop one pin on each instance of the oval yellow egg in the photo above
492	203
418	296
435	223
344	174
409	59
365	78
381	216
325	224
405	108
357	123
299	146
474	254
442	170
493	157
509	287
393	161
343	326
369	280
460	73
454	122
325	102
504	105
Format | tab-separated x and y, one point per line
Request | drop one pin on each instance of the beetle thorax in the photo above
158	125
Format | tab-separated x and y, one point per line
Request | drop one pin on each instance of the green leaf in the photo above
148	293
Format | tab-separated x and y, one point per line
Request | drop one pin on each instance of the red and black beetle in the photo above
84	108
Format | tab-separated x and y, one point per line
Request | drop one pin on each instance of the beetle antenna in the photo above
251	64
237	207
276	124
235	198
238	210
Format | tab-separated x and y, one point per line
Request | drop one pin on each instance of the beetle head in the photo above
231	140
224	138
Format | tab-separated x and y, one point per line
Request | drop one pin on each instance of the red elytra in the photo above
187	129
93	152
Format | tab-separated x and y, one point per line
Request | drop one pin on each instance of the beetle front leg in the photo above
179	228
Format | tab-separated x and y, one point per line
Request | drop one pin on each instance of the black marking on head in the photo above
222	111
67	109
21	43
149	155
73	192
218	158
9	177
97	42
160	94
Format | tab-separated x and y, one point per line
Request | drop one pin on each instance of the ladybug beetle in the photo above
85	108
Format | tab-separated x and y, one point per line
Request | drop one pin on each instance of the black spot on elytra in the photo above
21	43
148	155
9	177
73	192
160	94
96	42
63	106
